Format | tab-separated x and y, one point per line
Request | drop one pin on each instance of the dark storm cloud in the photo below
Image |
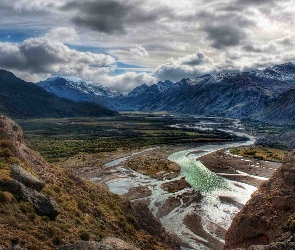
224	35
112	17
226	27
103	16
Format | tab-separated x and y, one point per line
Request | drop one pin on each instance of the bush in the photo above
291	223
85	236
26	208
5	197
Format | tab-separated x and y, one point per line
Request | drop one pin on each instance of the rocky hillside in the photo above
45	207
20	99
269	216
280	110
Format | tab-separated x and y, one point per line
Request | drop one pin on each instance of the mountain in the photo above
144	93
268	217
237	96
234	95
22	99
80	91
280	110
260	95
283	72
44	206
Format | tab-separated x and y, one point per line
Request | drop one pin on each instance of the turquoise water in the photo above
197	174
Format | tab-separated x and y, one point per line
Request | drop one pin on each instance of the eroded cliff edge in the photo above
269	216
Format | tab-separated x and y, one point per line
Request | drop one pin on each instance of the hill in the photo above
20	99
45	207
268	217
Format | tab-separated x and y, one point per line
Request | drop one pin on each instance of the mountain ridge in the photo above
243	95
21	99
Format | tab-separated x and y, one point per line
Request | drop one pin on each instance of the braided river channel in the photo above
196	223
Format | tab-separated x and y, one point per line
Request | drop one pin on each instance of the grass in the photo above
59	139
261	153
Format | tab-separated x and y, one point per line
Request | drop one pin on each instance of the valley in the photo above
109	152
186	155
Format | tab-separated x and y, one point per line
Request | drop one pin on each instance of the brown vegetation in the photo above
87	210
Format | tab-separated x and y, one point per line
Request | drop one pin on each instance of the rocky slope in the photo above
83	210
280	110
269	216
20	99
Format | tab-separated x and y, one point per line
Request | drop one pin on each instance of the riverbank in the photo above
237	168
169	196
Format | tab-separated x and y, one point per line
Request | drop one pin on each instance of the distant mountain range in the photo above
20	99
265	95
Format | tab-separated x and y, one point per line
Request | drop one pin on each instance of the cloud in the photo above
175	45
127	81
139	51
112	16
62	34
224	35
189	66
30	5
233	35
44	56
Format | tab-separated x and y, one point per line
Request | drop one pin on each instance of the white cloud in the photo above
62	34
139	51
127	81
44	56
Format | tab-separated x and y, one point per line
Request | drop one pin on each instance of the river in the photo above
215	214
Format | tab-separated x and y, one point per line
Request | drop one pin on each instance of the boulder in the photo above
26	178
43	204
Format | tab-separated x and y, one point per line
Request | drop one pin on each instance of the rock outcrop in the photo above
26	178
24	185
268	217
43	204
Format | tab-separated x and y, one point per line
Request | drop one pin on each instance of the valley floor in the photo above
111	170
163	162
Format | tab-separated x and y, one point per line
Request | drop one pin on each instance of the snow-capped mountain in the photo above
283	72
80	91
61	86
235	95
21	99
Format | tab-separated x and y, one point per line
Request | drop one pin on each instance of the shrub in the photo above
26	208
5	197
85	236
291	223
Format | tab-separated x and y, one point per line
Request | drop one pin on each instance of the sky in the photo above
125	43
